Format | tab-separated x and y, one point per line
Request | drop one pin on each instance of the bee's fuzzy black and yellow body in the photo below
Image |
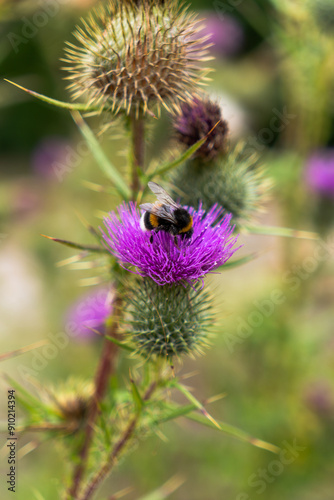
168	216
150	222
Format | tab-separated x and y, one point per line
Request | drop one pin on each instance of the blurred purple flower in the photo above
89	312
209	247
319	172
318	398
225	33
50	157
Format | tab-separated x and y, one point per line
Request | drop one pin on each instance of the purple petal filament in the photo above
209	247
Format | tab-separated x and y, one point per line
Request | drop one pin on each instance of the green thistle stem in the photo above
104	371
117	449
137	125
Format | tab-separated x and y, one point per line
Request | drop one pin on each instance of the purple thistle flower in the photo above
320	172
89	313
209	247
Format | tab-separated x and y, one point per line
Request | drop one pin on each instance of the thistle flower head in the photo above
195	121
236	182
210	246
137	56
168	320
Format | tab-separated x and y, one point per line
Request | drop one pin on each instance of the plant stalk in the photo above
117	449
104	371
137	125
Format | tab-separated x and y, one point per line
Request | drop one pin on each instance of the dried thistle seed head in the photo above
137	56
167	321
235	182
195	121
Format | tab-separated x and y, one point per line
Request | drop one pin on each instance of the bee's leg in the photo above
176	242
151	237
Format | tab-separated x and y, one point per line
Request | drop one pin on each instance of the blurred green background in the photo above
273	361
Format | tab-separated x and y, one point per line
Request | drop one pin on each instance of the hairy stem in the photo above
115	452
138	151
104	371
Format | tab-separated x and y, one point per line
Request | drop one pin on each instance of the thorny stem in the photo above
104	371
118	447
137	125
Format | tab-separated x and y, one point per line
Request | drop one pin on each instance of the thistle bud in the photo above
71	401
235	182
167	321
137	56
198	119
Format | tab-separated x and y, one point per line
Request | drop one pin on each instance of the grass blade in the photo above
18	352
173	484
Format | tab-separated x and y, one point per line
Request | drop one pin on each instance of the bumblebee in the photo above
165	215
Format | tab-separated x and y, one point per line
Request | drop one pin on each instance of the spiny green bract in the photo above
168	320
236	182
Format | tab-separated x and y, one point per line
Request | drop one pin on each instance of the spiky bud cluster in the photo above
72	400
235	182
137	56
167	321
198	119
323	11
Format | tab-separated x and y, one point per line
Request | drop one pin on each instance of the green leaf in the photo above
30	402
103	162
235	432
181	159
238	262
282	231
189	411
184	156
77	246
55	102
139	403
177	412
194	401
120	344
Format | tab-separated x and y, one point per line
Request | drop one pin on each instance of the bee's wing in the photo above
163	211
162	195
147	207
